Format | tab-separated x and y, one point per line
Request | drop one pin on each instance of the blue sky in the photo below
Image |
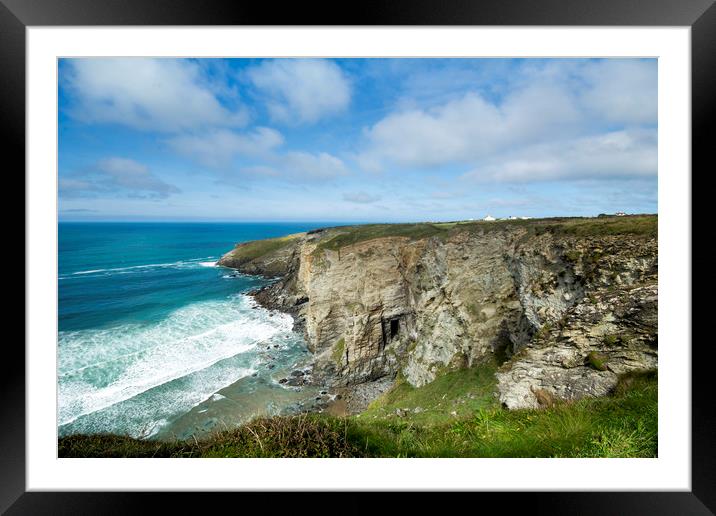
374	140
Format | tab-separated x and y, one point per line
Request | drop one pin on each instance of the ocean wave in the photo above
181	264
236	274
99	369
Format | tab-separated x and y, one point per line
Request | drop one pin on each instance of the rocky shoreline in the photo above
333	399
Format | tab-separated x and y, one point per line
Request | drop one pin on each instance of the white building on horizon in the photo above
489	218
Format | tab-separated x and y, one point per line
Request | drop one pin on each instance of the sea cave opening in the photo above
394	327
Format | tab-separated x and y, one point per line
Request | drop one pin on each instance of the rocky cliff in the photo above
567	305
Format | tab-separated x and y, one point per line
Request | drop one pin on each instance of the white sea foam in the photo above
235	274
102	368
181	264
153	427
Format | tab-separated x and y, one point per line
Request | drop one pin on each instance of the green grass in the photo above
572	255
543	331
596	360
463	392
643	225
350	235
337	238
246	252
622	425
354	234
610	340
295	436
339	349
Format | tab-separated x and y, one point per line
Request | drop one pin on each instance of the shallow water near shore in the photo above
156	341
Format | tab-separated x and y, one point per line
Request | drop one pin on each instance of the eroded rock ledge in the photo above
567	304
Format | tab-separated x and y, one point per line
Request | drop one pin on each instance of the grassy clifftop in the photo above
643	225
269	257
248	251
335	238
455	416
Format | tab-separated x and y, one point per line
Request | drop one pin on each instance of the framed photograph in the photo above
427	250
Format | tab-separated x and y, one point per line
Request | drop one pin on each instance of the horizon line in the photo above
308	221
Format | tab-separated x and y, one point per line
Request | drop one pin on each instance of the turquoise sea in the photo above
155	340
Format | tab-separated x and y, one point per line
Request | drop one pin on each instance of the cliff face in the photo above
568	304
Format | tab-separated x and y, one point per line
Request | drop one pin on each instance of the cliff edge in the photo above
565	305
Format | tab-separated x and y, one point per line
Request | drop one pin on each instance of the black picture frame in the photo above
700	15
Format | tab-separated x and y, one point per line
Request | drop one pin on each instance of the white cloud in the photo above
166	95
307	166
70	186
360	197
452	132
622	91
288	168
260	170
469	128
116	177
619	154
218	148
259	147
302	90
561	101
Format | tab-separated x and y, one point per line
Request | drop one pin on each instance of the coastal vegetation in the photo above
248	251
645	225
454	416
343	236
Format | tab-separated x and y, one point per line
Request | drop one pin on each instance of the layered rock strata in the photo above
567	305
